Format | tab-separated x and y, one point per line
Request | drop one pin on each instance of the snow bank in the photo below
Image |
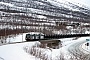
15	52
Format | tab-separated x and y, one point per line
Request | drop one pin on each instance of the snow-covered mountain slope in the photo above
40	14
51	7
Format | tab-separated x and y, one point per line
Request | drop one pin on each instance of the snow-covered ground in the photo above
16	51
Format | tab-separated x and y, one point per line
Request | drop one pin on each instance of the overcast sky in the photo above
85	2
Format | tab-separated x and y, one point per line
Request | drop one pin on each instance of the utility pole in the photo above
5	32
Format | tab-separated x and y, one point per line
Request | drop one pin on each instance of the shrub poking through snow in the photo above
46	54
38	52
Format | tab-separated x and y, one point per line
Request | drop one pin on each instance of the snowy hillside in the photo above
46	16
51	7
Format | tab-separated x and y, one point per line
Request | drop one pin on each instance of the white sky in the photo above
85	2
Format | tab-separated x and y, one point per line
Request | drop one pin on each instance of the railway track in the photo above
75	50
